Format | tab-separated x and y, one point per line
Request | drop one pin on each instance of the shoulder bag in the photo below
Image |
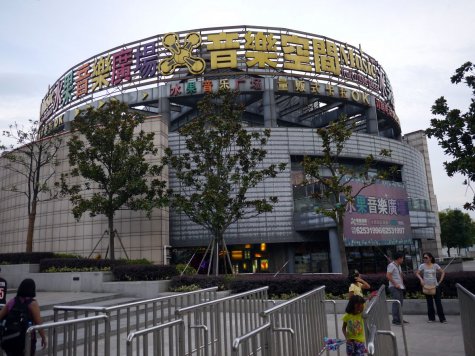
428	290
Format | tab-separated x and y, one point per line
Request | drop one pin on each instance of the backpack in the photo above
14	327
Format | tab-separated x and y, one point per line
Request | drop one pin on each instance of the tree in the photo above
456	131
109	153
457	229
35	159
334	177
224	161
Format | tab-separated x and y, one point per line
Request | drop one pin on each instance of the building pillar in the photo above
268	102
164	104
372	119
334	251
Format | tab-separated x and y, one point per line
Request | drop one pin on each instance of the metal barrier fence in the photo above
165	340
377	325
254	343
211	327
298	326
467	316
129	317
74	337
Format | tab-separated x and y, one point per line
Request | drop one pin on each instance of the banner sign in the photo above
218	52
378	216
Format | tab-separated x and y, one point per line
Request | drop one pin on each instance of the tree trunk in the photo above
216	256
111	237
448	251
31	228
341	245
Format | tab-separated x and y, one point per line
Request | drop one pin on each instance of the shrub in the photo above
23	257
336	286
141	261
202	281
184	289
76	265
189	270
144	272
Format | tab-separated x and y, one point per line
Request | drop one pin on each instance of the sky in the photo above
418	43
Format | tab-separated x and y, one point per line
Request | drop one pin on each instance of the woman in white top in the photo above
429	270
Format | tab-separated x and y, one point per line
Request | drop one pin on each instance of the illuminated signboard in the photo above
378	216
207	53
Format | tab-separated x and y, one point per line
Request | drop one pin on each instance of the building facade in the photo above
290	82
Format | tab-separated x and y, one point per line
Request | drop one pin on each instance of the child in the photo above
357	284
353	326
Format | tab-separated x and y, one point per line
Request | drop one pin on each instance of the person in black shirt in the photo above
3	290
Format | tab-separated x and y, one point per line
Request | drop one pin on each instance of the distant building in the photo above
291	82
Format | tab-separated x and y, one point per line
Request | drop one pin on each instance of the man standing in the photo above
396	285
3	290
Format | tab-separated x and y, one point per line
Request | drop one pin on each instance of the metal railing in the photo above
377	324
211	327
255	342
335	319
164	340
467	316
74	337
298	326
129	317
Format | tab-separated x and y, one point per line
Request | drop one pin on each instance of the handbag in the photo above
428	290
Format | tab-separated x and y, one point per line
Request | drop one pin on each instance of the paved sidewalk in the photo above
423	339
434	339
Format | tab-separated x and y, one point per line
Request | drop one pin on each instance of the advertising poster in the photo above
378	216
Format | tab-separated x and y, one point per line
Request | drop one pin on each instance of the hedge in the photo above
22	257
78	263
334	283
144	272
202	281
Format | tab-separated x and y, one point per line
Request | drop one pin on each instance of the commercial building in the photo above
289	81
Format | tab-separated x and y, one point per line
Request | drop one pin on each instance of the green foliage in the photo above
334	177
76	269
35	161
455	132
457	229
185	288
76	265
222	163
284	296
330	296
111	156
220	281
336	286
189	271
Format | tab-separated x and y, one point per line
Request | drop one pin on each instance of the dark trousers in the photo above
438	304
397	294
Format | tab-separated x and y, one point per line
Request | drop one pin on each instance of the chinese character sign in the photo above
379	215
256	51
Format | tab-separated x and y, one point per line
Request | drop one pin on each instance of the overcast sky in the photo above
418	43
